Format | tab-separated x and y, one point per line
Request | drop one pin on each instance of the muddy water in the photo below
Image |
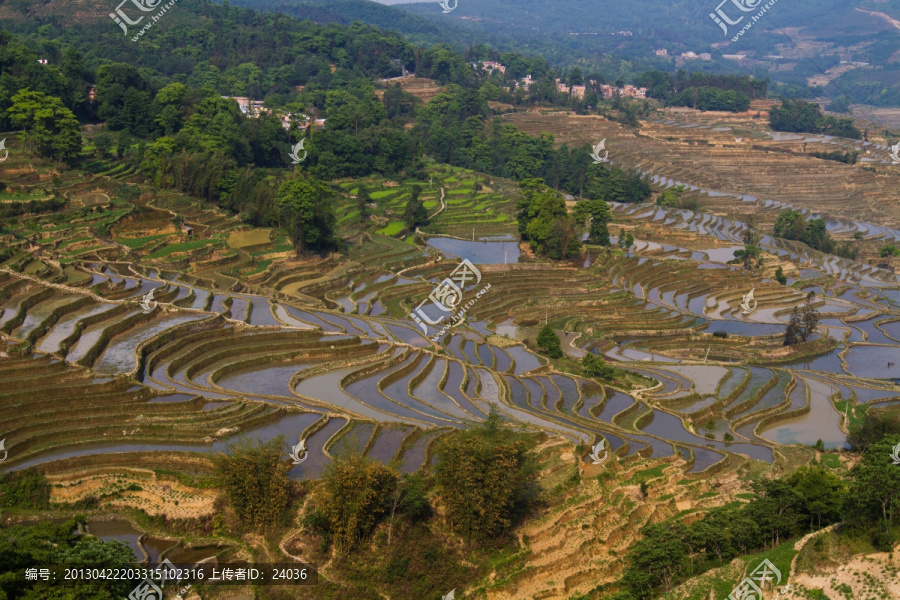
90	337
414	457
262	312
670	427
525	360
289	425
354	441
821	422
37	314
119	355
388	442
616	403
427	391
265	380
316	461
703	458
398	392
872	362
479	253
452	387
326	388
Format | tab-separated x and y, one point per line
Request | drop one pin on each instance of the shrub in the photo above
484	476
24	489
254	479
720	334
356	495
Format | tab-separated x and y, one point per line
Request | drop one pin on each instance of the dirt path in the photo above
442	208
881	15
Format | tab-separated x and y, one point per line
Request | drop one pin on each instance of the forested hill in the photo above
416	28
619	39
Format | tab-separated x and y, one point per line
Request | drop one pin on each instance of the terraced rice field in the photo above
248	339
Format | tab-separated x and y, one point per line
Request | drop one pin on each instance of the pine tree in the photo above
549	343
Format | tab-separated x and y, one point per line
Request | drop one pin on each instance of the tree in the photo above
751	255
809	316
780	277
874	494
484	477
656	559
49	127
254	478
548	342
307	205
598	213
874	426
104	142
794	328
415	214
363	198
595	366
824	494
789	224
889	250
626	240
356	495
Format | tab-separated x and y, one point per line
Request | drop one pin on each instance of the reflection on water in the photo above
479	253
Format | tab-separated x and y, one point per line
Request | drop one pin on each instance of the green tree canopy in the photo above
254	478
307	208
50	128
484	476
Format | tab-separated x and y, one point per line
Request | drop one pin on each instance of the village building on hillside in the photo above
490	66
